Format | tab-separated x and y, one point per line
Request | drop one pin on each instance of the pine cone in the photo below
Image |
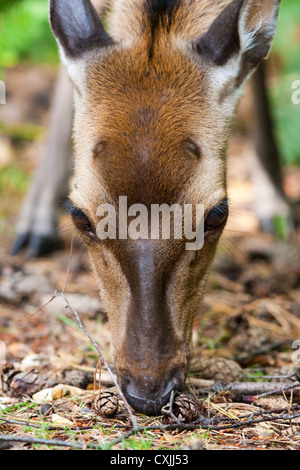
251	340
7	373
17	384
184	408
218	369
106	404
77	378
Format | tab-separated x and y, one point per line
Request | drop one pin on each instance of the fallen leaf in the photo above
61	421
264	430
50	394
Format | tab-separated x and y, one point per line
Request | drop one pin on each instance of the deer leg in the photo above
37	226
265	165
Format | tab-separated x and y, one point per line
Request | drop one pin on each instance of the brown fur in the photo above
191	19
152	123
143	119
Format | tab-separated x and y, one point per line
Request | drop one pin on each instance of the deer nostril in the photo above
149	395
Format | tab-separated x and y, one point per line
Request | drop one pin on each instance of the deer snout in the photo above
148	394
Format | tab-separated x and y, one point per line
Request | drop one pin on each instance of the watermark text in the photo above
2	92
296	354
296	93
162	221
2	353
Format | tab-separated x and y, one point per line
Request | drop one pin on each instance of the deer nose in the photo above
148	395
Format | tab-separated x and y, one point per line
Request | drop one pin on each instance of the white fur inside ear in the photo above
75	69
262	21
247	37
252	28
221	76
222	84
223	91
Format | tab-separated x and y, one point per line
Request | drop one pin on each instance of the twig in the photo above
46	304
55	428
40	426
202	425
100	355
95	379
278	390
259	352
259	389
250	422
48	442
19	423
168	409
69	263
260	412
132	417
140	429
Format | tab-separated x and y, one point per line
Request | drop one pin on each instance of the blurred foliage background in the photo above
25	36
286	53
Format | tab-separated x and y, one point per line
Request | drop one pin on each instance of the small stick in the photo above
132	417
100	355
282	389
48	442
169	427
95	379
259	389
201	425
40	426
170	410
69	263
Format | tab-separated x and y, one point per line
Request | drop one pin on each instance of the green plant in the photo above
25	33
139	442
286	50
13	178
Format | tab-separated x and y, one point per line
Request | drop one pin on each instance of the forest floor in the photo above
243	387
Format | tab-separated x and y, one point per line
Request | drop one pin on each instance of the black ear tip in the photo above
224	38
77	27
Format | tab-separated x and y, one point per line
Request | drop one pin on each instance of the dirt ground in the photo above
243	336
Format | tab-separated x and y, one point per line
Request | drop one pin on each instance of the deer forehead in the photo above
152	126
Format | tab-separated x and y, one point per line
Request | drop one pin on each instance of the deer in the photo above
155	95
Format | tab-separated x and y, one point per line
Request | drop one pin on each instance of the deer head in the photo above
154	100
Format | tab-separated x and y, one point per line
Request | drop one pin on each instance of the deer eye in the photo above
216	218
82	222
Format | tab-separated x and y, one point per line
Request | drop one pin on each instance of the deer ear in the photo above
77	27
241	36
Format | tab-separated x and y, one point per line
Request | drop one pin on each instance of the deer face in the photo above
151	124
